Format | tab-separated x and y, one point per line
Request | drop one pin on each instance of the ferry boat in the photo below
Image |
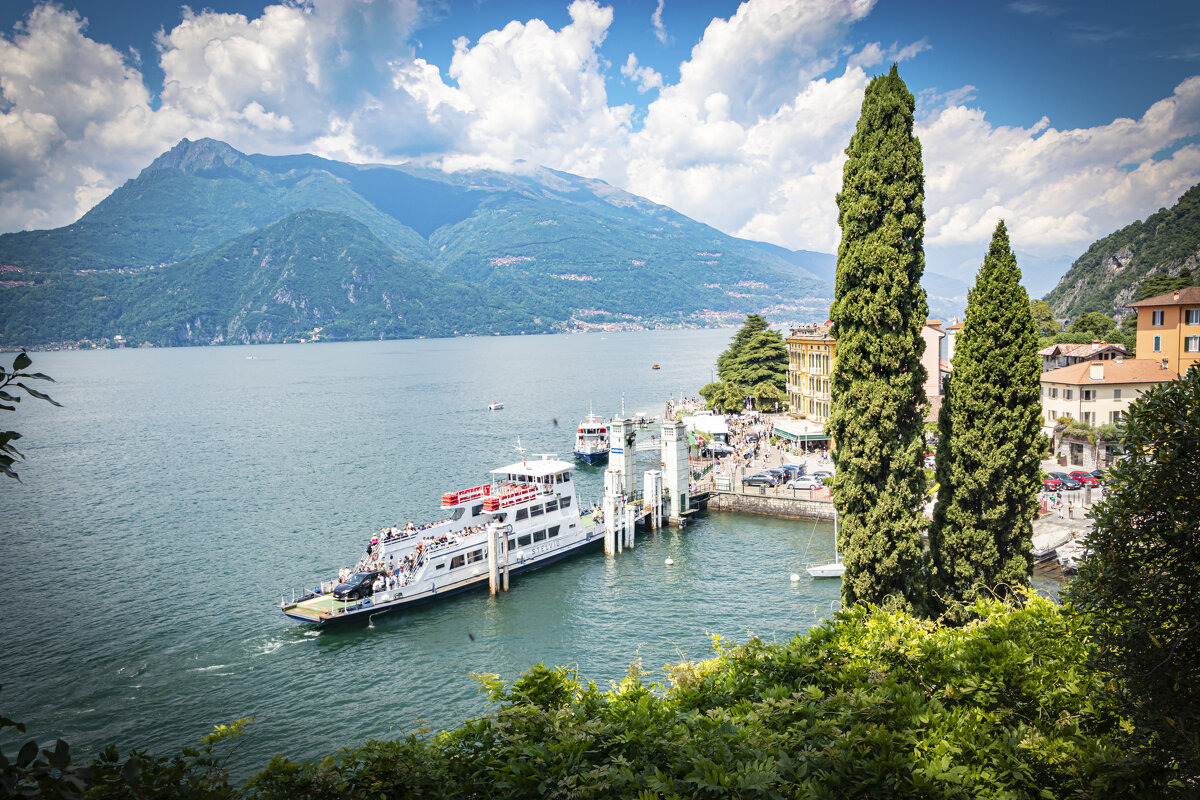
591	439
534	508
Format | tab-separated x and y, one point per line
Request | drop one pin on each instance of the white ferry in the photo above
591	439
534	500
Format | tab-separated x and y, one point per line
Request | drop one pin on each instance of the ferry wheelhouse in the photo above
591	439
529	508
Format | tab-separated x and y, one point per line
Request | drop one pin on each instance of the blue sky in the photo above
1069	119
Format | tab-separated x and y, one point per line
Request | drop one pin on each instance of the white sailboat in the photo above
835	569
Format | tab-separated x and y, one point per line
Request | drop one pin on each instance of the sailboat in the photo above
835	569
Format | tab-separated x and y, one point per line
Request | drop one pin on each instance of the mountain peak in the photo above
201	157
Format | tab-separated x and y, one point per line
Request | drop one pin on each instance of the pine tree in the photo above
879	308
989	443
754	324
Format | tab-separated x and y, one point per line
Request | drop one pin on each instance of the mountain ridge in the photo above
549	250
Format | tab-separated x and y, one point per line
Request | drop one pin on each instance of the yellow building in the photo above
810	363
1168	329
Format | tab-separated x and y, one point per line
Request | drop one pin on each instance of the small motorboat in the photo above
656	366
495	406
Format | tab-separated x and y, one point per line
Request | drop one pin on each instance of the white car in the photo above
805	482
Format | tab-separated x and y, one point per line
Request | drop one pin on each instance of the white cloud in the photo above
750	139
656	19
646	77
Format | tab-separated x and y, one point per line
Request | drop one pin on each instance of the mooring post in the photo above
493	559
505	574
613	511
652	494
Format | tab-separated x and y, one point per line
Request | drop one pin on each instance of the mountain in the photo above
1106	277
480	252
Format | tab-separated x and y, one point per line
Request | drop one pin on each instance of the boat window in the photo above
475	555
457	562
523	541
440	565
499	517
566	477
535	510
564	502
539	536
552	531
551	506
458	512
522	513
476	510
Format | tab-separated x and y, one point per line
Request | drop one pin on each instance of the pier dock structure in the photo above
652	482
620	517
676	472
622	452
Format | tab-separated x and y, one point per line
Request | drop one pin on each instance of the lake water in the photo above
175	495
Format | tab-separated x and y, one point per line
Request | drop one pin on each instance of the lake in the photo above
178	492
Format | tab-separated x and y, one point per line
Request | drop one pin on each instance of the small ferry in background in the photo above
591	439
533	502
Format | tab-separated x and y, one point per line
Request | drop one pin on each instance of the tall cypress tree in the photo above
876	416
989	442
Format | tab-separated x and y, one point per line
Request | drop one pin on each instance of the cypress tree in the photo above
989	442
877	411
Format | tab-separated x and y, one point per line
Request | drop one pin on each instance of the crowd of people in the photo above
397	573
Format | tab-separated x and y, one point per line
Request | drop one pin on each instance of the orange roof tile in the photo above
1187	296
1130	370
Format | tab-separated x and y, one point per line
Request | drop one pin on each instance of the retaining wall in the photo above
772	506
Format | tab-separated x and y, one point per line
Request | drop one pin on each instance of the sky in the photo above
1067	118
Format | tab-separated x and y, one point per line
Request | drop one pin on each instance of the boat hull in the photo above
828	570
592	457
364	611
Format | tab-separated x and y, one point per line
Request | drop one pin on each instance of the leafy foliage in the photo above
869	704
989	444
879	308
873	704
753	366
11	380
1119	262
1141	585
1155	285
1043	318
1095	324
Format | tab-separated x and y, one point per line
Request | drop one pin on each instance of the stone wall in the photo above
771	506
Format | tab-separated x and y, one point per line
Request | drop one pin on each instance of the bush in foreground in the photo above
871	704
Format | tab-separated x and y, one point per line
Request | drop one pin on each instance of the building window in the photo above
1088	417
1114	417
1158	344
1191	316
1054	392
1156	317
1116	394
1087	394
1191	344
1067	394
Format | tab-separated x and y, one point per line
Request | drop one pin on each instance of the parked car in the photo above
805	482
793	470
1100	475
1086	478
716	449
930	463
760	479
1053	484
1068	483
357	585
823	474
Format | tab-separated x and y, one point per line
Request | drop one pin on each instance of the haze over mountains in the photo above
210	245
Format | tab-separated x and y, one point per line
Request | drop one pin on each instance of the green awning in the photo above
781	433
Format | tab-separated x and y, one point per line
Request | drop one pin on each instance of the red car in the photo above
1086	478
1053	484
